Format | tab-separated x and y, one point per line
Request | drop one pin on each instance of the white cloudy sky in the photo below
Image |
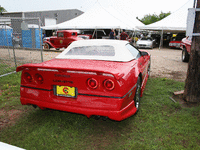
140	7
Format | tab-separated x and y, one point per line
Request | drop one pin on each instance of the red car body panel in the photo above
68	36
187	44
117	104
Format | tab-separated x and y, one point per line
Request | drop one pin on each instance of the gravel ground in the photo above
164	62
167	63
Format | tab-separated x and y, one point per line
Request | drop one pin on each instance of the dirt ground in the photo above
167	63
164	62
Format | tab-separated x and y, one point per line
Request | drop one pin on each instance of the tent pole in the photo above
119	33
96	33
134	37
93	33
161	40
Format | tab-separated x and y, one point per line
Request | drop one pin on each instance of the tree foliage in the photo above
148	19
2	9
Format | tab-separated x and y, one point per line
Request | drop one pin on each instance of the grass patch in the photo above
10	90
160	123
4	68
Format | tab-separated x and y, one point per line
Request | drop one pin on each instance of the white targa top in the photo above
102	49
5	146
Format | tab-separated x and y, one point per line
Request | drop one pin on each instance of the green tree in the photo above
163	15
148	19
2	9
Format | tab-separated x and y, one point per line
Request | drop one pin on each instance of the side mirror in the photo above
143	53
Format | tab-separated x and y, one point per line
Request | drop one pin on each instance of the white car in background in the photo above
146	42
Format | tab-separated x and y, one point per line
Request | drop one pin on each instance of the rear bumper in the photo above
82	105
126	112
174	45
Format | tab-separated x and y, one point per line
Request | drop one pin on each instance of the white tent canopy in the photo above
177	21
99	18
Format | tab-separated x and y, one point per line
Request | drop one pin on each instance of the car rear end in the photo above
78	89
175	44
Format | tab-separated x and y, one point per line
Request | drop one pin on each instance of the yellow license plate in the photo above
66	91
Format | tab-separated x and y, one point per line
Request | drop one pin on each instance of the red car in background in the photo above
186	48
91	77
63	39
176	41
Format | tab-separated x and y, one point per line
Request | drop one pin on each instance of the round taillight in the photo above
92	83
27	77
39	78
109	84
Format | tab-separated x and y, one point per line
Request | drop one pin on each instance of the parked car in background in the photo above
98	34
146	42
62	40
176	41
91	77
45	39
85	36
186	48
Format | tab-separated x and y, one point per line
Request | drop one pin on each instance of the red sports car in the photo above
90	77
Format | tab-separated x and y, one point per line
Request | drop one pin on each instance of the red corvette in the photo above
90	77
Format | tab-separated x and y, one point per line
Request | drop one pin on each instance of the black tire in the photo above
149	70
57	49
137	97
34	106
46	46
96	117
185	55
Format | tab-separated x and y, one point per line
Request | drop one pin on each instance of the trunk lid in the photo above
76	73
117	69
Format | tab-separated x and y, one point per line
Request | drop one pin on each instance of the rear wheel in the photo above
185	55
149	70
46	46
137	94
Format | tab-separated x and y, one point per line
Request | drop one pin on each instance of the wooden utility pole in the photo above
192	83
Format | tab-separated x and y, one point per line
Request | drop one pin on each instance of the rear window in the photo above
92	51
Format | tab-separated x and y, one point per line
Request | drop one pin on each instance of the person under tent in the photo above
124	35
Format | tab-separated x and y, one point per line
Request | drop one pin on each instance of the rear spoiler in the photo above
39	67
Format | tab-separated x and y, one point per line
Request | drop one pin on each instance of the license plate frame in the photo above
65	91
